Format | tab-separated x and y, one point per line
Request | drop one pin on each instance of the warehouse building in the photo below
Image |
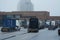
25	15
42	15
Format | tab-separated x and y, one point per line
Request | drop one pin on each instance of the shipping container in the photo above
9	23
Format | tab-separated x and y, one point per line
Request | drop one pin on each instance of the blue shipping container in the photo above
9	23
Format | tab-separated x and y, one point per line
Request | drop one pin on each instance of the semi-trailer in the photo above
9	24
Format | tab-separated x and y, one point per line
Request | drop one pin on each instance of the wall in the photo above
38	14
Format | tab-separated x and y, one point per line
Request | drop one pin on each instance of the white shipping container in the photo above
48	23
53	23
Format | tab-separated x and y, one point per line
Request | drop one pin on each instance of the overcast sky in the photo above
53	6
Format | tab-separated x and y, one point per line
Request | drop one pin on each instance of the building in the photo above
42	15
25	5
24	15
27	14
53	18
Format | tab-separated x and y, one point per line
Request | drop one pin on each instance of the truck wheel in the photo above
59	32
4	30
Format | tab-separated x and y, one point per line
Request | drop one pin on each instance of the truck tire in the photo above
59	32
4	30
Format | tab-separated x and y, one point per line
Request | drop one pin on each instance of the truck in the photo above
59	32
9	25
33	25
53	25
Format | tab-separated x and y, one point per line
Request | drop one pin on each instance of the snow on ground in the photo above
43	34
7	35
47	35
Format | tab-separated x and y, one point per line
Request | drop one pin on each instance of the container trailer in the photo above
9	25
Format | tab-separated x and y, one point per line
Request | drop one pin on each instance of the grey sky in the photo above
53	6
